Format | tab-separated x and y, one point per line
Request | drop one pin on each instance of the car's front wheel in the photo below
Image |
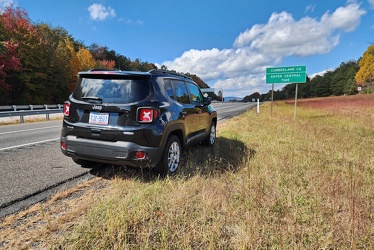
170	158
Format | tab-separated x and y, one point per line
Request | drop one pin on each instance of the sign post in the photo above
285	75
272	98
294	112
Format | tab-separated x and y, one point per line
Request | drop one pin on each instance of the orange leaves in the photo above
366	73
17	24
86	59
107	64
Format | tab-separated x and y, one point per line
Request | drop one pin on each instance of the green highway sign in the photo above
291	74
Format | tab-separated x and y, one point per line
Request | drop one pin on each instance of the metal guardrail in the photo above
26	110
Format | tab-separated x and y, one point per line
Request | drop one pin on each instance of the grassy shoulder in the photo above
269	182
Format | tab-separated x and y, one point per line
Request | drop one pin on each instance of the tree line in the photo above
39	63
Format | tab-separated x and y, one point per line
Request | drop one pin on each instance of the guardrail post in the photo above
46	115
21	119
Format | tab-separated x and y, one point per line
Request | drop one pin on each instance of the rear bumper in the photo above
118	153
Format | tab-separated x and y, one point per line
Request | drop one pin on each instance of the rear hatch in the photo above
104	104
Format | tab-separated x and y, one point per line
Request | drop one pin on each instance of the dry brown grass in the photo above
269	183
29	118
42	223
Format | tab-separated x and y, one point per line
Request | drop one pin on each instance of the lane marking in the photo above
29	144
25	130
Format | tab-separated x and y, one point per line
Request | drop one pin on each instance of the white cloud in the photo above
284	36
214	63
100	12
346	18
238	86
263	45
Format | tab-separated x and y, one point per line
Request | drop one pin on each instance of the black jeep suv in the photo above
140	119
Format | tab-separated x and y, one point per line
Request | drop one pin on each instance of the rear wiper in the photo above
92	99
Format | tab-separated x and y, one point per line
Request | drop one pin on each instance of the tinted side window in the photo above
169	88
196	95
112	90
181	92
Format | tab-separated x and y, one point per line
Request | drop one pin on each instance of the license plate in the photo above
99	118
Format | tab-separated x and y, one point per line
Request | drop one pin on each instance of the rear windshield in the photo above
111	90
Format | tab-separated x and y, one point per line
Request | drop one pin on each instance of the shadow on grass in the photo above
225	156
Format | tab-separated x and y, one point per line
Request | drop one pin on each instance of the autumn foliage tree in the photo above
9	61
47	57
106	64
49	69
74	63
365	75
86	59
17	36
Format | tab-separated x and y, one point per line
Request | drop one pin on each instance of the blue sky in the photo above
229	44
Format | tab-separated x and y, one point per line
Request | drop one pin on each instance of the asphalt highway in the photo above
31	163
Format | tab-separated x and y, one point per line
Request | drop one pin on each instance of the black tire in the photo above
170	159
86	164
211	139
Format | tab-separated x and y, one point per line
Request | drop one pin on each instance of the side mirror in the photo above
207	101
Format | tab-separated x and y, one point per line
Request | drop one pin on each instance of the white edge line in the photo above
28	144
25	130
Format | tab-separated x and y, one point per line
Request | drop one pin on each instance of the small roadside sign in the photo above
291	74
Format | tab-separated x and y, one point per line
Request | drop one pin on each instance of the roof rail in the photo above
160	71
101	70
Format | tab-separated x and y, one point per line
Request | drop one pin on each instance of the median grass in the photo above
270	182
